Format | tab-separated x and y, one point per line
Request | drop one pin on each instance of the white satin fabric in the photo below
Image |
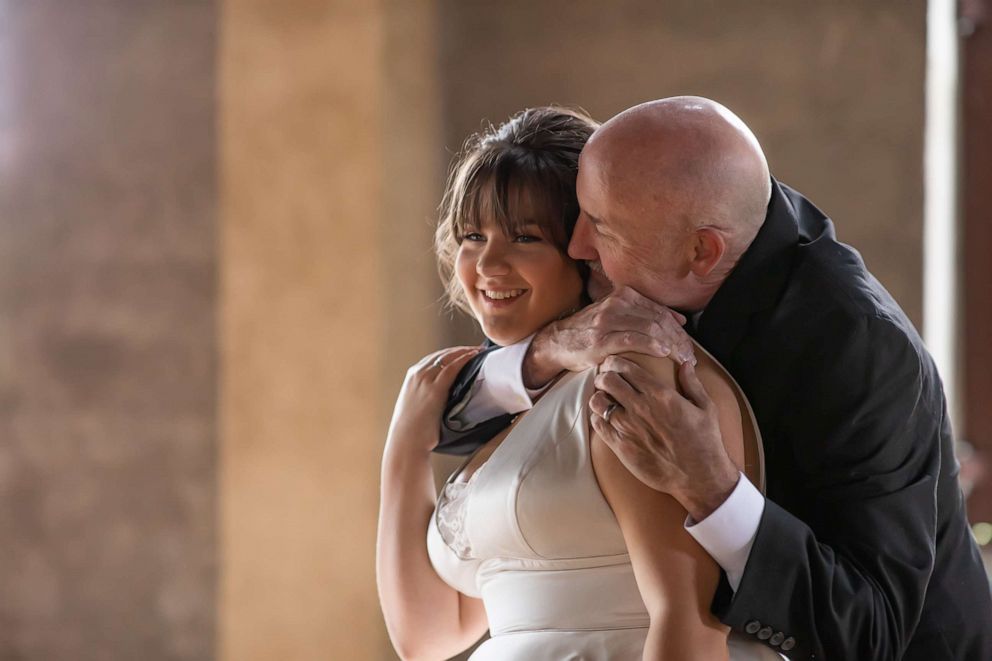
532	535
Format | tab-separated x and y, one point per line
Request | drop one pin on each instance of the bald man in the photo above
861	548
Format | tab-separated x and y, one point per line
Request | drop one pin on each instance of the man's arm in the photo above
849	577
512	376
623	321
729	532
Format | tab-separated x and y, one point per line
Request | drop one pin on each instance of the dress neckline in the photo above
517	421
500	449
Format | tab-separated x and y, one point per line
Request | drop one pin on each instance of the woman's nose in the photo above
493	260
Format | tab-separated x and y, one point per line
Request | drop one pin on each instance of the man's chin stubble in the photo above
599	286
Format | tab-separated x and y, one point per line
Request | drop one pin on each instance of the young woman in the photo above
543	537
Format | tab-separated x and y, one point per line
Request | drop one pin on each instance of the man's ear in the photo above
709	247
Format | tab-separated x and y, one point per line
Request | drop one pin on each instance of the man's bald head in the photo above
672	194
689	152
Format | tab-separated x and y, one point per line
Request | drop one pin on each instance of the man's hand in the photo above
668	441
623	321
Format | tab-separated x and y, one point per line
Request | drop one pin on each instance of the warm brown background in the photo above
215	267
108	356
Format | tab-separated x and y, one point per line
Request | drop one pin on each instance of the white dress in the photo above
531	534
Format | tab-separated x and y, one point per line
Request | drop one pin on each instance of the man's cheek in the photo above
598	286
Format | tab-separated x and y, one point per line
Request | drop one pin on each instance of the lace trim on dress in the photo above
451	517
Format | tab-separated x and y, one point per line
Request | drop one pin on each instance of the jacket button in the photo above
788	644
752	626
777	638
765	633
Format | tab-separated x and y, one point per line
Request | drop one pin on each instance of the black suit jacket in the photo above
863	550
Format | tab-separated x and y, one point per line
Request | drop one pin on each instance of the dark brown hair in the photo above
534	154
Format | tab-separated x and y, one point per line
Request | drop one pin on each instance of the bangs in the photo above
507	178
512	191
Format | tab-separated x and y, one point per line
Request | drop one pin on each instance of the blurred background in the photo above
215	266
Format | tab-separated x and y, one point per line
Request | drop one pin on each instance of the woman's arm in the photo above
676	577
426	618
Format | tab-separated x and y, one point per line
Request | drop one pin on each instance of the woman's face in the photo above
515	284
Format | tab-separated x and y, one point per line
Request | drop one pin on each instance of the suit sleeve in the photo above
842	573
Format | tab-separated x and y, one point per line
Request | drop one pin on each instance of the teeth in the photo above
500	295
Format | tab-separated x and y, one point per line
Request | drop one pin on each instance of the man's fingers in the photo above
599	402
682	348
693	387
617	388
620	314
620	319
638	377
634	341
618	436
631	295
606	432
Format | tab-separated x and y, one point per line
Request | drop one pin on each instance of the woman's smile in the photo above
515	283
502	298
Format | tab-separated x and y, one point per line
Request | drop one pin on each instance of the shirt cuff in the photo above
728	533
502	373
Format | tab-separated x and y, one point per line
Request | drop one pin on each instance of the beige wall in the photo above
301	136
329	170
129	417
833	90
107	351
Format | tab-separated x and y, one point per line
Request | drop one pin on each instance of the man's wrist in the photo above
700	503
540	364
728	533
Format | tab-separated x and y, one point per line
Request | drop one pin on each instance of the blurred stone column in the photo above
107	335
329	174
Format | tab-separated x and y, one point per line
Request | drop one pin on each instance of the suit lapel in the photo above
756	283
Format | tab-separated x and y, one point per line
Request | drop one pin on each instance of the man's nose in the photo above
580	247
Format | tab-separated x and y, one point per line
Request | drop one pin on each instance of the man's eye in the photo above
598	230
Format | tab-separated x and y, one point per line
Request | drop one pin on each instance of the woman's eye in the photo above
526	238
473	236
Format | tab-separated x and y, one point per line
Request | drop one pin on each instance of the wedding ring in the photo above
438	362
609	411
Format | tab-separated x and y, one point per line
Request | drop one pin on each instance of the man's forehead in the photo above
604	182
621	166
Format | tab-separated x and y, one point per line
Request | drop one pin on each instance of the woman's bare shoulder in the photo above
720	387
714	378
